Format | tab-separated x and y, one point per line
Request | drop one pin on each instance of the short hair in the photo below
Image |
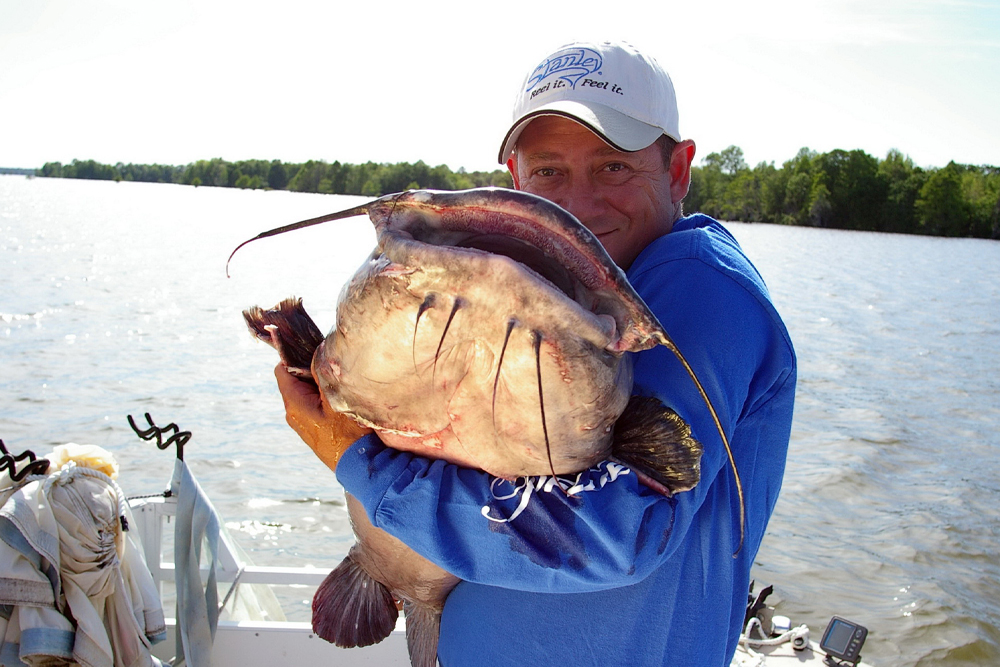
667	145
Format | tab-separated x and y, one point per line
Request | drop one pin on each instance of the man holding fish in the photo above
598	568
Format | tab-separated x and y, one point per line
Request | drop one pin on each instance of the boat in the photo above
233	619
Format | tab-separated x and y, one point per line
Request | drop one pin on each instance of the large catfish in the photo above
488	328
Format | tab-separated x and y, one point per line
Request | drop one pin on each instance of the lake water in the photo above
114	301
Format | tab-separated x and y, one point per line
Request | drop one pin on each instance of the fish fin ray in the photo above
287	328
423	627
351	608
656	443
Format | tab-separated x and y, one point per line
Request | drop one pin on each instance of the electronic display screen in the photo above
839	636
844	639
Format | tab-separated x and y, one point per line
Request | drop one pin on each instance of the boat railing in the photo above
240	640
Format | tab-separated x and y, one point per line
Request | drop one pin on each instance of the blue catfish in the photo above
488	328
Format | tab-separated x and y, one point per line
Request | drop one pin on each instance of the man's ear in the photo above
512	168
680	169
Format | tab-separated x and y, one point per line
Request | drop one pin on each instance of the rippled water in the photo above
114	301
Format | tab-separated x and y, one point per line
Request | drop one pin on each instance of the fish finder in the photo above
843	640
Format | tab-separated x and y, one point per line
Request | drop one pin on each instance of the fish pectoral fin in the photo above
453	363
423	626
288	329
352	609
656	444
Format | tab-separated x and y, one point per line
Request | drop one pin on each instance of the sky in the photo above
174	82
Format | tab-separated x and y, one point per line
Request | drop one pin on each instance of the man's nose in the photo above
581	199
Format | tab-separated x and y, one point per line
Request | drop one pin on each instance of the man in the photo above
611	572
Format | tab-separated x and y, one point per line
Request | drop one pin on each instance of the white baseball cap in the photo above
623	96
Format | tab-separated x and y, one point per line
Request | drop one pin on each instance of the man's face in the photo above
625	199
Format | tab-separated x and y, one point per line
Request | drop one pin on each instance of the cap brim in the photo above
615	128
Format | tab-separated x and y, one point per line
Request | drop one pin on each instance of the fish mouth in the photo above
543	238
525	254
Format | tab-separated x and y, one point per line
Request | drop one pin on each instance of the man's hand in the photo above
327	433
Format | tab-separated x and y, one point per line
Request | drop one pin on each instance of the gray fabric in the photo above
197	523
64	555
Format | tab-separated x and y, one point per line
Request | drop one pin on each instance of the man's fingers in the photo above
327	433
298	395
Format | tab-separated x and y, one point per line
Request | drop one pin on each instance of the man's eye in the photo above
546	171
615	166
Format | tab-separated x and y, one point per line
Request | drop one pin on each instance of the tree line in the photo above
370	178
840	189
850	190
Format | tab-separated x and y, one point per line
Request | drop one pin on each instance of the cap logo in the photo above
569	66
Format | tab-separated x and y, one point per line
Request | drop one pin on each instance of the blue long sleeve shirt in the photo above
613	572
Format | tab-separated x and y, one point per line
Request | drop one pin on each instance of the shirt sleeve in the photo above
601	528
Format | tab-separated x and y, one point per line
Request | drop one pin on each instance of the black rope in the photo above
161	494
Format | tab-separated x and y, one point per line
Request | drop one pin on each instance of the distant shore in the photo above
337	178
839	190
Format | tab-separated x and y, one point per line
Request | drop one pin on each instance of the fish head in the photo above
488	328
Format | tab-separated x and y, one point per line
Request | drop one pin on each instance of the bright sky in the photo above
180	80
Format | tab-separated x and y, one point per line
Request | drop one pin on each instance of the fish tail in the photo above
423	626
288	329
656	444
351	608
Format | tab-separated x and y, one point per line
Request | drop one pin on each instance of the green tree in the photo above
821	213
308	177
277	175
52	170
941	210
772	191
730	161
744	196
856	190
904	181
797	202
981	192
